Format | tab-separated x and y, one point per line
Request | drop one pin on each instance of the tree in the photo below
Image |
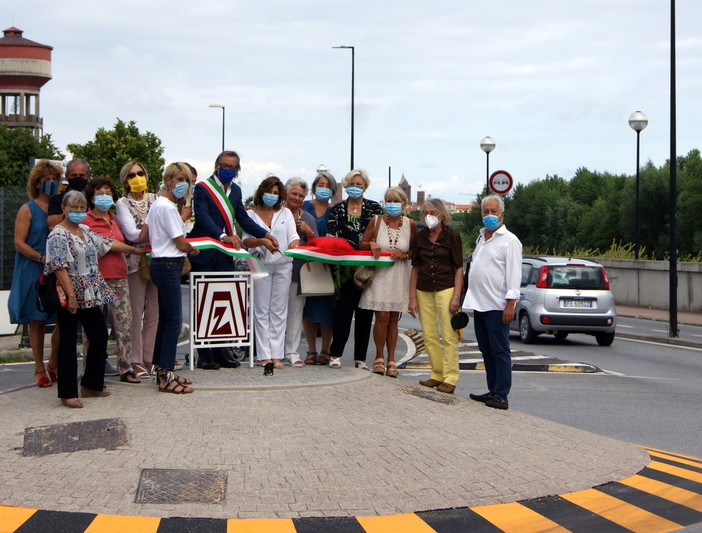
17	146
111	149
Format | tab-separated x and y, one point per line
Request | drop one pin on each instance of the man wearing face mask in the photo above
78	175
493	291
217	204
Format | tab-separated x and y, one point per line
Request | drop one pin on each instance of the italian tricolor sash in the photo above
222	202
334	257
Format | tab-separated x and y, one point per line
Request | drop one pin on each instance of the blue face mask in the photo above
270	199
226	175
49	187
104	201
180	189
322	193
491	222
76	216
393	209
354	192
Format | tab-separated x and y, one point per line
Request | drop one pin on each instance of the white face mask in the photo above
431	221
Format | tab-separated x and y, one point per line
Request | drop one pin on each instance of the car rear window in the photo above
576	277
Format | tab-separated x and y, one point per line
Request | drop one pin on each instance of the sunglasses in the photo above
135	174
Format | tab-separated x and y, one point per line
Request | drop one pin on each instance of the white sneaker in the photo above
335	362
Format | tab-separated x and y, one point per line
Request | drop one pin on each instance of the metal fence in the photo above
11	198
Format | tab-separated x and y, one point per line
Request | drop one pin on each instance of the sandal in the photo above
361	365
140	372
129	377
379	366
311	358
43	380
51	370
73	403
335	362
278	364
168	382
392	371
323	358
181	380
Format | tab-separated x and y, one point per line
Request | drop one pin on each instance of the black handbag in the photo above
48	300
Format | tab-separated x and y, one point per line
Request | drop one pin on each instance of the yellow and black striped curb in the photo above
664	496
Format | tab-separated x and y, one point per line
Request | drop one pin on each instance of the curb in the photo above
575	368
664	496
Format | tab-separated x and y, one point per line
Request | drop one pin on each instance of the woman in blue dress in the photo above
31	232
319	310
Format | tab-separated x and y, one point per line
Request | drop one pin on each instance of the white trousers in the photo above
293	329
271	311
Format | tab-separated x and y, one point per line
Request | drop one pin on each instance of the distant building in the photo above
464	208
420	199
405	186
25	66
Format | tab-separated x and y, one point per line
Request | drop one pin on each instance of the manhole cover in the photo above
431	395
181	486
108	433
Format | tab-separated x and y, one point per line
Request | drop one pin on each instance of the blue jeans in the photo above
166	278
493	340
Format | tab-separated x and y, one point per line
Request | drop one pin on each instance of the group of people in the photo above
98	258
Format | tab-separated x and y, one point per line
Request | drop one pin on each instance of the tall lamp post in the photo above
487	145
353	69
638	122
222	107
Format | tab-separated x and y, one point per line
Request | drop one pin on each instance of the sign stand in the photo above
220	311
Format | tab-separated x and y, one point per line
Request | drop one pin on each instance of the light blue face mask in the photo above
354	192
393	208
76	216
103	202
270	199
491	222
180	189
322	193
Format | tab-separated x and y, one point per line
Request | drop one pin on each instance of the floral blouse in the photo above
79	256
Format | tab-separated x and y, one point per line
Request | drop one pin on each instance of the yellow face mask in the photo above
137	184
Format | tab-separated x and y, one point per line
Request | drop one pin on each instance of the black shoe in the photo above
225	359
497	403
229	363
207	365
480	397
268	369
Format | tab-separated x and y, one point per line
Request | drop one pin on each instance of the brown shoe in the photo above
431	383
90	393
73	403
445	387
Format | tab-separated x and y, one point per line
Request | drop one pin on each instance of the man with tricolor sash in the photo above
218	204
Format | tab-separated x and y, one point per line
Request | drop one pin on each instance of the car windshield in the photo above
576	277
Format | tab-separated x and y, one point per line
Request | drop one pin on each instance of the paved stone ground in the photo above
310	441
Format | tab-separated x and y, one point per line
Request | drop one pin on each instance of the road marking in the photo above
656	343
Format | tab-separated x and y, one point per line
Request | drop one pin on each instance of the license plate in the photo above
589	304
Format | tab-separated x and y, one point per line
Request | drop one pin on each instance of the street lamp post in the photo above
353	74
638	122
487	145
222	107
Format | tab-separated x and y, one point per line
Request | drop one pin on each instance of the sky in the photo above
553	82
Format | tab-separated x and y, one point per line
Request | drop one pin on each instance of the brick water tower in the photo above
25	66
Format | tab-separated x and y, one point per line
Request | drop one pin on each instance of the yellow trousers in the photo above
443	351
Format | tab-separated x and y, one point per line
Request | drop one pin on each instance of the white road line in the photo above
624	339
625	326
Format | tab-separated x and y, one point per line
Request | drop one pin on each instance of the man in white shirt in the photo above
493	291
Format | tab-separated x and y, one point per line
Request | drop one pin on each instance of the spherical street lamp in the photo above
638	122
487	145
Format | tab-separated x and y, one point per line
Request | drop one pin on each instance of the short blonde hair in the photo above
396	195
179	168
356	172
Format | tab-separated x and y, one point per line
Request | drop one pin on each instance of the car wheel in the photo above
604	339
526	332
560	335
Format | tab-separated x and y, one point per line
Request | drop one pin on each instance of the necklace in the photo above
395	235
354	208
141	206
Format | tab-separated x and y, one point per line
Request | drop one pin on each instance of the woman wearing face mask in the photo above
72	252
101	195
132	209
31	231
388	294
165	230
435	289
319	310
349	220
271	292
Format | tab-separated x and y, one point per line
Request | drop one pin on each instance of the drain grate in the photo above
108	433
159	485
428	394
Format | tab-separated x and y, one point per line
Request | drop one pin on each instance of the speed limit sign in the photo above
501	182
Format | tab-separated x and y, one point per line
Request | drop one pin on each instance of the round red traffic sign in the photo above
501	182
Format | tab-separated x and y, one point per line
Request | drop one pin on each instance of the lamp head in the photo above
638	121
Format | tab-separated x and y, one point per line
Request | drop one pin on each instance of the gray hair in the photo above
72	198
76	161
440	206
494	198
297	182
330	178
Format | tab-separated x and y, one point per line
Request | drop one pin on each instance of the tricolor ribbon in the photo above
333	257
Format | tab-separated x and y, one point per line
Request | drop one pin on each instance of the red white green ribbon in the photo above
332	257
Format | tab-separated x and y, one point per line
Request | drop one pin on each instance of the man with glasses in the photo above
217	204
